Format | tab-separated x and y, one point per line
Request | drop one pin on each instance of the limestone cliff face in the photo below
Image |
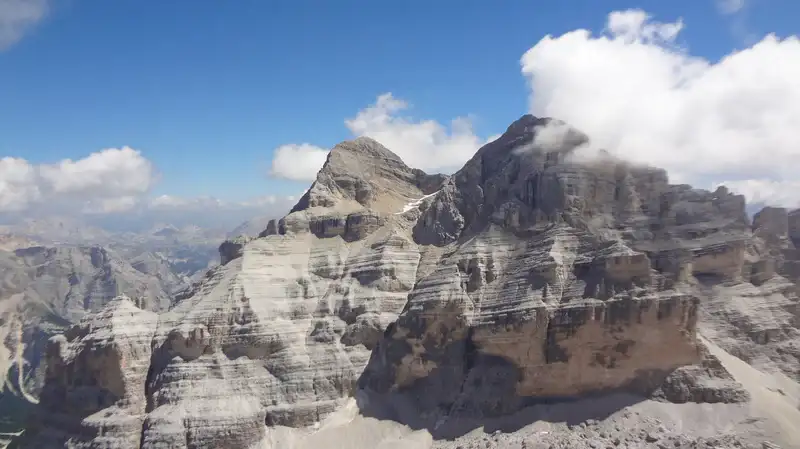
531	274
281	331
557	280
758	319
493	349
46	289
94	393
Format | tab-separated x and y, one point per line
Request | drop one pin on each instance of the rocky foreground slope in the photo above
53	271
391	308
44	291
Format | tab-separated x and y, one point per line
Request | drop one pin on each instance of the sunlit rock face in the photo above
532	274
562	277
94	392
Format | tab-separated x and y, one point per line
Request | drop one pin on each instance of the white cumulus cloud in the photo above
424	144
641	96
18	186
298	162
210	203
17	17
110	205
177	202
111	180
114	171
114	185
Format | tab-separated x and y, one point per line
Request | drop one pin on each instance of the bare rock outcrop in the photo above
704	382
232	249
758	321
531	275
95	381
364	174
46	289
544	291
279	334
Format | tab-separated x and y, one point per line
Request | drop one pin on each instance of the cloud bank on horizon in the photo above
114	181
632	88
110	180
642	97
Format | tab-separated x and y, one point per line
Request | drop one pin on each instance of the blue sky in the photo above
206	90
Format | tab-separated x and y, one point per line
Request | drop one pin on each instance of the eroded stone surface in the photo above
94	393
564	278
528	275
758	320
704	382
46	289
232	249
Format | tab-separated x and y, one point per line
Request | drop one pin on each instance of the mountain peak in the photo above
526	122
546	133
362	173
529	276
360	148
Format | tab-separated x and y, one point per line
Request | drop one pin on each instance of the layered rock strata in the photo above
280	333
46	289
532	274
94	393
757	320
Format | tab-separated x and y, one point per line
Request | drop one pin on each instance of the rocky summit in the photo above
549	298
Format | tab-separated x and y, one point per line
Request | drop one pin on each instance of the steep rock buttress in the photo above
528	275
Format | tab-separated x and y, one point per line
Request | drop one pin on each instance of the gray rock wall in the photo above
529	275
